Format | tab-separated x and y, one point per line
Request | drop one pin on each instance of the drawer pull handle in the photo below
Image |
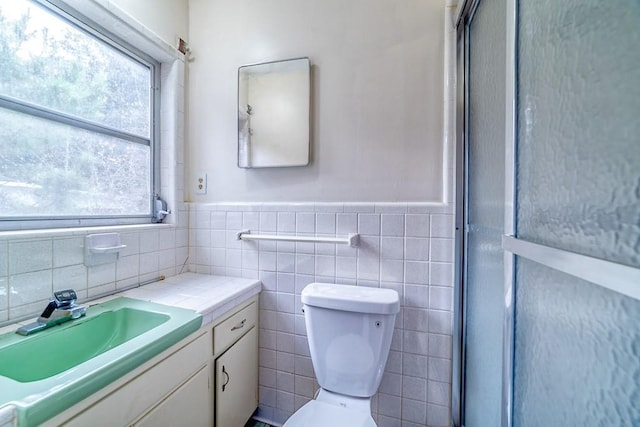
227	380
239	325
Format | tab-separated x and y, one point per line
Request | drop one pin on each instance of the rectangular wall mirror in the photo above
273	114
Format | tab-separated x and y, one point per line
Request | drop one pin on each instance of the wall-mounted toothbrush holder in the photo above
102	248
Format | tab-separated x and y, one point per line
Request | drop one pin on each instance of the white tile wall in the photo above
30	256
31	269
4	259
406	247
416	386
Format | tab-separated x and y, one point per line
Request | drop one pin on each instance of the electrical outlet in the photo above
201	183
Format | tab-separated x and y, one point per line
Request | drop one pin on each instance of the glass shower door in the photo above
577	309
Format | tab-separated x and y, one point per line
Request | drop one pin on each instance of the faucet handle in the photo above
49	309
65	298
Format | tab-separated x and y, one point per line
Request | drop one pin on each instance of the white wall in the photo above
377	97
167	18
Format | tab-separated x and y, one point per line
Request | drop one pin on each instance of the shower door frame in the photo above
464	17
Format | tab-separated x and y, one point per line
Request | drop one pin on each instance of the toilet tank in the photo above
349	330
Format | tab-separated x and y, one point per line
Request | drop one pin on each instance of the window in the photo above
77	122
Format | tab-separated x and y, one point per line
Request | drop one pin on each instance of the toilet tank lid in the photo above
360	299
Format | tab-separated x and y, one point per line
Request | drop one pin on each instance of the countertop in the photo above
211	296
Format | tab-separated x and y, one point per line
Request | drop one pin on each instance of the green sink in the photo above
47	372
48	354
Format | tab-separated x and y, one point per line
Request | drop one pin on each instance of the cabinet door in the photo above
237	382
188	405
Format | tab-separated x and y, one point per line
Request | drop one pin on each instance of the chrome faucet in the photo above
61	308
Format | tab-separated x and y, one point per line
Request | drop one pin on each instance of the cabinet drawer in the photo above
229	331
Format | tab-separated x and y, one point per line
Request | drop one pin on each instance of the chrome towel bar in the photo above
352	239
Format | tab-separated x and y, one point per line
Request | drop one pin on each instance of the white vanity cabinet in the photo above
176	387
236	367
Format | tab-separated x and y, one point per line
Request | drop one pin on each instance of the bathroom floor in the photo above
254	423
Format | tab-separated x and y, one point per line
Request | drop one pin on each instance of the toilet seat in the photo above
321	414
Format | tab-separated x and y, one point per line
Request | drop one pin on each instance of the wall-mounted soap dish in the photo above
102	248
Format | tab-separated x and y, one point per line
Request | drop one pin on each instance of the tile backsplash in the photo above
406	247
35	264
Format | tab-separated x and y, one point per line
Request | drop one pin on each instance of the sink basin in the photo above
47	372
50	353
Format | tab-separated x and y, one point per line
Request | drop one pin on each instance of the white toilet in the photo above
349	330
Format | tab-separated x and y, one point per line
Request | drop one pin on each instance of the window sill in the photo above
79	231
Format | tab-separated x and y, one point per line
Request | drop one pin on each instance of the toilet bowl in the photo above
349	330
